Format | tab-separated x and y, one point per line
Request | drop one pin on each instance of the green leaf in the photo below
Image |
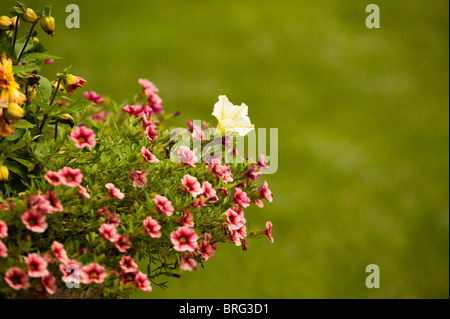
30	66
23	124
45	88
29	165
5	45
40	56
77	106
42	105
16	168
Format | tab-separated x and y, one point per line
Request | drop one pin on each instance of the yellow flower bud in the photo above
14	112
48	25
14	21
6	23
66	119
4	174
61	86
32	91
30	16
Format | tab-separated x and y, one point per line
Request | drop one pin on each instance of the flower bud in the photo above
66	119
4	174
48	25
55	83
73	82
6	23
30	16
14	112
32	91
14	21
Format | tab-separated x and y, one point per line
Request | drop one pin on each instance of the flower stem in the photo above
28	39
16	28
56	92
51	102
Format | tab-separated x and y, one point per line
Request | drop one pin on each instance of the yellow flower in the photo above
6	23
14	112
4	174
10	90
232	118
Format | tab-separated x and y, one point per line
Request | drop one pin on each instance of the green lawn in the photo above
363	122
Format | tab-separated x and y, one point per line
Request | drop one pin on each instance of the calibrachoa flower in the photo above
72	83
184	239
253	173
37	266
187	263
17	278
206	249
70	177
53	178
187	156
152	227
151	132
100	116
128	264
93	273
192	185
142	282
3	250
265	192
138	178
48	282
259	203
241	197
109	232
148	156
34	220
83	136
234	219
112	219
54	202
94	97
123	243
239	234
262	162
71	271
3	229
209	192
39	202
187	219
59	252
115	192
163	205
220	171
268	231
83	192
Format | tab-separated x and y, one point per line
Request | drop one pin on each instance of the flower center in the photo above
33	266
183	240
93	275
69	178
81	139
32	222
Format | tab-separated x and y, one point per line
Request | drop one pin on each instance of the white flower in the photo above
231	117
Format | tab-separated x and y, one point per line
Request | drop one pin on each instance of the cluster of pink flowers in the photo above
221	171
131	274
109	230
67	176
187	156
150	91
236	224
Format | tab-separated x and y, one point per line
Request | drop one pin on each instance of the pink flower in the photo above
37	266
148	85
112	219
94	97
187	156
48	282
220	171
115	192
265	192
187	263
123	243
73	82
208	190
128	264
259	203
59	252
83	192
34	221
138	178
54	202
109	232
3	229
187	219
17	278
83	136
134	110
49	61
262	162
234	219
93	273
39	202
206	249
148	156
164	205
3	250
142	282
184	239
100	116
268	231
53	178
151	132
103	211
71	271
239	234
196	131
70	177
152	227
253	173
241	197
192	185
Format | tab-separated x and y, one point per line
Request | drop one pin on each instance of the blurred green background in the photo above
362	114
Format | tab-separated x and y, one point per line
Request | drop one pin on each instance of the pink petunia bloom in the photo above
188	263
55	203
49	284
83	192
206	249
103	211
187	156
265	192
268	231
154	101
17	278
152	227
138	178
134	110
109	232
239	234
196	131
148	85
93	273
59	252
53	178
220	171
70	177
262	162
49	61
123	243
184	239
142	282
39	202
100	116
163	205
37	266
83	136
187	219
112	219
192	185
3	229
253	173
71	271
115	192
208	190
259	203
34	220
94	97
151	132
3	250
234	219
241	197
128	264
148	156
72	83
